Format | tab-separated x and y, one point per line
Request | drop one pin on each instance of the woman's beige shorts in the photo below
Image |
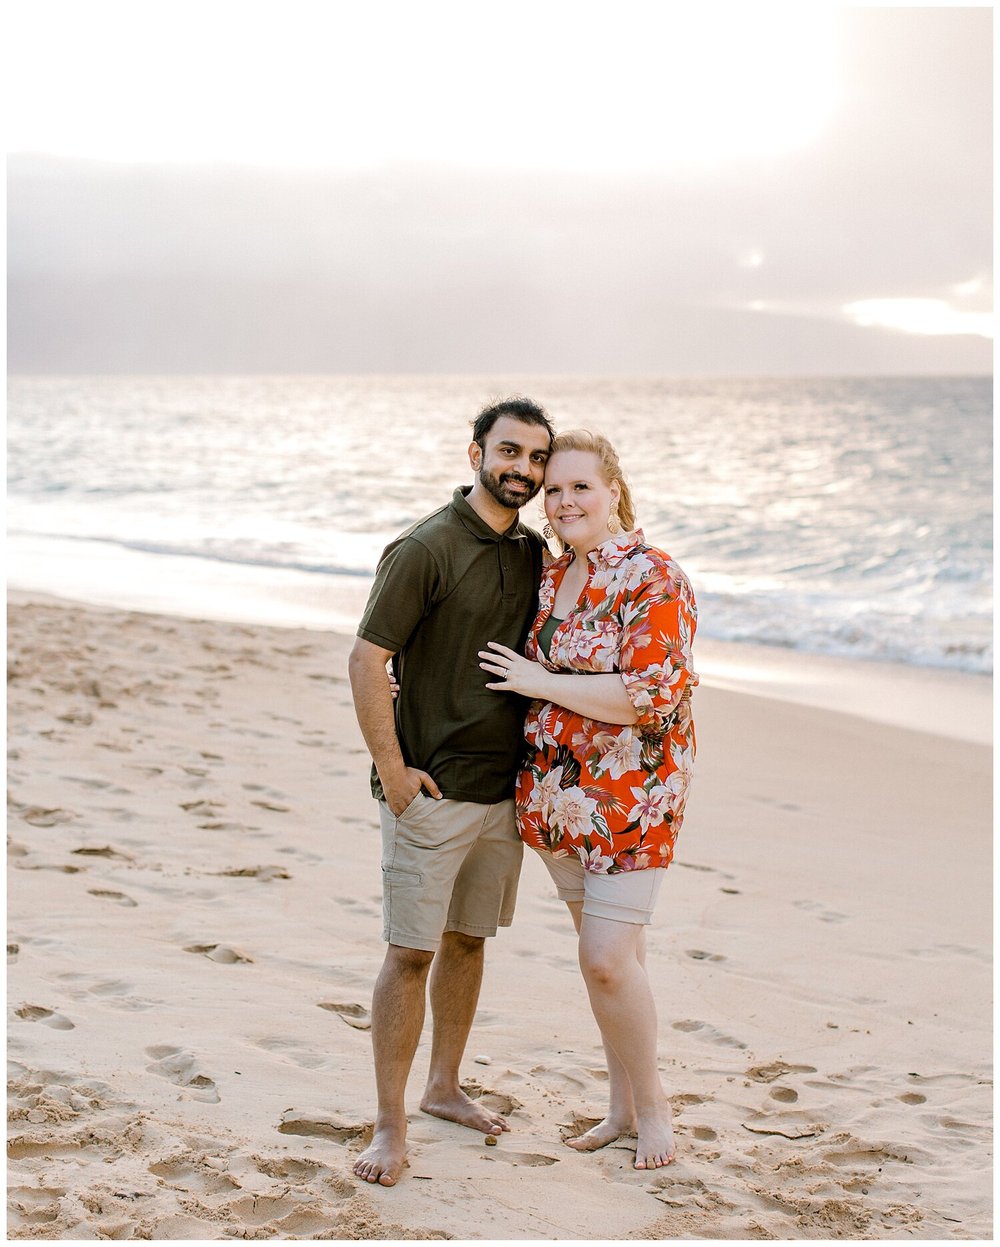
629	896
447	866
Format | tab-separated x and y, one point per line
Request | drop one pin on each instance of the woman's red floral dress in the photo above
614	794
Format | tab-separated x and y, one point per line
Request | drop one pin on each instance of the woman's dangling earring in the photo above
547	531
614	523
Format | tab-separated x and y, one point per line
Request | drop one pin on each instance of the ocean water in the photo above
845	516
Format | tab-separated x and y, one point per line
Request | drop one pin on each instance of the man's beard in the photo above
494	485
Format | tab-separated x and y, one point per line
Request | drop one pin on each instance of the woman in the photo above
611	747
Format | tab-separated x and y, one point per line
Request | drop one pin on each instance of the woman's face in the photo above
577	498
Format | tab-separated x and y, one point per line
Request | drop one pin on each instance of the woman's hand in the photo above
517	674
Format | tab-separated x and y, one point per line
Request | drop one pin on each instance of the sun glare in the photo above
552	85
933	317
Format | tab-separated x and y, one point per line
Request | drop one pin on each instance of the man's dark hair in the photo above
523	409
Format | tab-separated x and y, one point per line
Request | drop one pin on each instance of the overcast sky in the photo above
305	187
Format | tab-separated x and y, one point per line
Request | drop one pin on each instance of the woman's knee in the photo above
607	953
601	967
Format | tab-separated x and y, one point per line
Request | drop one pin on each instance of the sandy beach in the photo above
194	929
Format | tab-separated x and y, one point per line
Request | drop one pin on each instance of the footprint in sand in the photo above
303	856
12	951
498	1101
202	807
33	1207
115	813
48	1017
855	1153
293	651
577	1125
683	1100
354	1015
179	1066
39	817
182	1174
118	897
564	1078
299	1053
943	1080
83	717
104	850
698	954
291	1214
792	1124
768	1073
64	870
298	1171
520	1158
365	908
938	951
704	1031
265	874
317	1122
118	994
113	745
676	1192
823	914
913	1097
785	1095
221	953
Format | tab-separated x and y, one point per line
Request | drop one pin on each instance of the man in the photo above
445	763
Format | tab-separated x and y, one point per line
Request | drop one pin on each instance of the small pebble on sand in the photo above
490	1140
483	1060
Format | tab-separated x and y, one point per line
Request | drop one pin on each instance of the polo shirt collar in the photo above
475	522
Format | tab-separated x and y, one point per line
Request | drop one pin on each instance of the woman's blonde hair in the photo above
597	444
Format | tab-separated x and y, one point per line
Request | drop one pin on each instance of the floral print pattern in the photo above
614	794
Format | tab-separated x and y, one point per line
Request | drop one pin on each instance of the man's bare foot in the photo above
601	1135
456	1106
383	1159
656	1146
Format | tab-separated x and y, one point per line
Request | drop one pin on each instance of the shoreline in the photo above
194	923
951	703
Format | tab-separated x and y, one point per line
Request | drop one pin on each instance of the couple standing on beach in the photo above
581	747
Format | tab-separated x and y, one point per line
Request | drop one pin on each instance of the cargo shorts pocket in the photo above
401	878
416	809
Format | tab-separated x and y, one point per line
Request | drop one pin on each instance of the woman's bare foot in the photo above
383	1159
456	1106
601	1135
656	1146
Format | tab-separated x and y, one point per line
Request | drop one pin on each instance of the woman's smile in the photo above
577	498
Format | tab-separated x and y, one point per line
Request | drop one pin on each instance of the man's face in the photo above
512	463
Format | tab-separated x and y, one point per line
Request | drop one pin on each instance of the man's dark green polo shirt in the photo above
443	589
